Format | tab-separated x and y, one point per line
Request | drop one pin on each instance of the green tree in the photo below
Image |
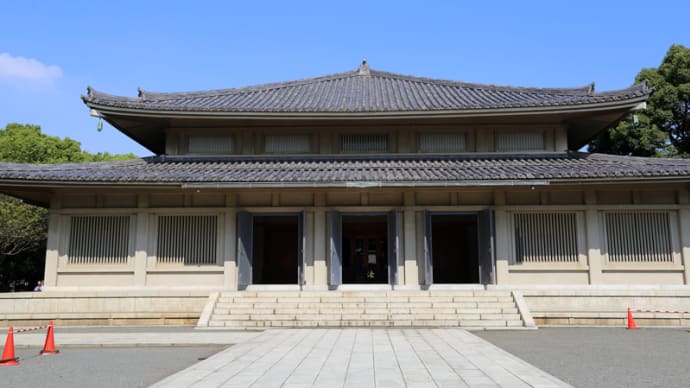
23	230
23	227
26	144
23	143
669	105
666	118
634	135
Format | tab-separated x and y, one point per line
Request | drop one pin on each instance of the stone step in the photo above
367	323
361	310
359	316
435	308
361	299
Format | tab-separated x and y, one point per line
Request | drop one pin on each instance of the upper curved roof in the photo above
363	91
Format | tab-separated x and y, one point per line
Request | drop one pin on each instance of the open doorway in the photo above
275	249
454	248
365	249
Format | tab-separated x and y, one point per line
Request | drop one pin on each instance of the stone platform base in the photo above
103	308
548	305
608	305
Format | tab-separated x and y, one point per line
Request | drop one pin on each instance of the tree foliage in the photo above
635	135
23	227
669	105
667	117
22	143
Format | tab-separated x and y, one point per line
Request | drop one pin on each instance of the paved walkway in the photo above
362	358
151	337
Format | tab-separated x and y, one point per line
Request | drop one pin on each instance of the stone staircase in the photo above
472	309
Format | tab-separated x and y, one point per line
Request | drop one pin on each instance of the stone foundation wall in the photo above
549	306
121	307
607	306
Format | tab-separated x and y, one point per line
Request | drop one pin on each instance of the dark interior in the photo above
365	249
275	250
454	248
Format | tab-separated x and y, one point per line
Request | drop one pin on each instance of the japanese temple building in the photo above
363	180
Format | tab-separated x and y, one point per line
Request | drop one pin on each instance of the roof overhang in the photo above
147	127
40	193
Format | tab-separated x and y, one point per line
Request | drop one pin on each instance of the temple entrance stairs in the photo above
472	309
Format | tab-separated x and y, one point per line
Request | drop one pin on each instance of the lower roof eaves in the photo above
349	171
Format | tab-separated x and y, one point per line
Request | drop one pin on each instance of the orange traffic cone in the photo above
49	347
631	321
8	357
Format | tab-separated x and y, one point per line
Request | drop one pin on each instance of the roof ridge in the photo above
637	159
366	91
162	96
640	87
579	90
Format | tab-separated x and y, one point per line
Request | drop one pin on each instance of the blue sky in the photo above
51	51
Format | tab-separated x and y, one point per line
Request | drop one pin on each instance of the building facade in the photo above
363	179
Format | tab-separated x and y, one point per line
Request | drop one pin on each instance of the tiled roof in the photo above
363	91
385	170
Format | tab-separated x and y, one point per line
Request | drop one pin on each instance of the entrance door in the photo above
454	248
270	249
365	249
275	250
458	248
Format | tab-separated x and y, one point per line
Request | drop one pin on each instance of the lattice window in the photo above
442	142
364	143
187	240
210	144
287	144
546	237
638	237
519	141
99	240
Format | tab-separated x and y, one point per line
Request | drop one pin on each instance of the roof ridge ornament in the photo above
364	68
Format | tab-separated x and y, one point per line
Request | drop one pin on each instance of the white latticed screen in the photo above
519	141
206	144
99	240
187	240
364	143
546	237
287	144
638	237
442	142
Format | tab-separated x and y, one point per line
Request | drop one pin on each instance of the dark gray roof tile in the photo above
387	169
357	92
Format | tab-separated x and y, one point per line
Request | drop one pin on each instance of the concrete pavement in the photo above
124	337
362	358
341	357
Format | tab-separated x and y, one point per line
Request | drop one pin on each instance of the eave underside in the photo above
582	123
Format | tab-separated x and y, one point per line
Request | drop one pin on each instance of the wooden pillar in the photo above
410	273
141	241
594	244
502	234
560	139
230	249
685	242
319	233
684	226
52	250
309	248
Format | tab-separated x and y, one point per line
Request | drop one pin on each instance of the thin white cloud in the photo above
27	68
